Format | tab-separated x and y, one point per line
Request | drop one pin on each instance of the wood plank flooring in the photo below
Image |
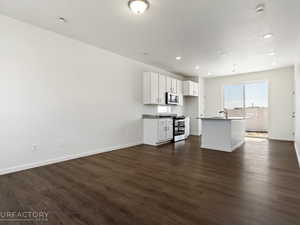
175	184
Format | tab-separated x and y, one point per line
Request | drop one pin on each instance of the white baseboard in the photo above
195	133
65	158
280	139
297	153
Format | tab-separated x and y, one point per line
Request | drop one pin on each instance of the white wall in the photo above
61	98
297	104
281	103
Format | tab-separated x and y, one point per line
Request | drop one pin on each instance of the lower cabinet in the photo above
157	131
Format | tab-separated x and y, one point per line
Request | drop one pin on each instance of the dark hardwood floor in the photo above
258	184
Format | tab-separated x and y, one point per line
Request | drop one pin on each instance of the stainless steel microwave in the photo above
172	99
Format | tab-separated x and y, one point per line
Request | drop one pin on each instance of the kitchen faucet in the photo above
225	113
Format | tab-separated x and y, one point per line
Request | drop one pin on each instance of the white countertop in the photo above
221	118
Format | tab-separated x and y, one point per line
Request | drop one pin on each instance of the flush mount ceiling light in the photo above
197	67
178	58
138	6
267	36
260	8
62	19
271	53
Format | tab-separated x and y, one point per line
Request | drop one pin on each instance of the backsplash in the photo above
156	109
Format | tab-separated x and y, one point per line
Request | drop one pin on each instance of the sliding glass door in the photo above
249	100
234	100
256	107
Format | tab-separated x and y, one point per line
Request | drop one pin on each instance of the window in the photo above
248	100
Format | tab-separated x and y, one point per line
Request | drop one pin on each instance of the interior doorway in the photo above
249	100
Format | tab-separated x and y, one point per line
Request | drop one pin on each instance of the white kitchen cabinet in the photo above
161	89
179	87
162	130
171	85
190	88
154	89
174	85
187	127
168	84
195	89
156	85
180	92
169	129
157	131
150	89
180	102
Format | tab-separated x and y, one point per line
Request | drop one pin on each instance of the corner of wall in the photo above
297	152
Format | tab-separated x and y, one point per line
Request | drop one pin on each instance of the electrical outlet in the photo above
34	147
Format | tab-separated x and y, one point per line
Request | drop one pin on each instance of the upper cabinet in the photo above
156	85
151	86
162	82
179	87
180	92
196	89
171	85
174	85
168	84
190	88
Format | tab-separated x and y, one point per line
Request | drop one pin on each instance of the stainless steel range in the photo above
178	128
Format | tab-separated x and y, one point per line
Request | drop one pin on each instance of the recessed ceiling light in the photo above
178	58
274	63
138	6
267	36
271	53
260	8
62	19
197	67
208	73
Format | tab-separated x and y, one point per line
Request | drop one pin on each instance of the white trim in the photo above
279	139
65	158
297	153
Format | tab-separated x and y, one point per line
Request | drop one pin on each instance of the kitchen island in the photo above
222	134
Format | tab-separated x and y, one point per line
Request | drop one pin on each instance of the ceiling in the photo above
212	34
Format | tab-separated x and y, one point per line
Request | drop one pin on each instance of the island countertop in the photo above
220	118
